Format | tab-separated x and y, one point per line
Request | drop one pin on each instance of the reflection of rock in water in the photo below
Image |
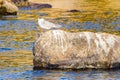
60	49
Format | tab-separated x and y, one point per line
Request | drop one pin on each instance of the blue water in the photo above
16	66
23	72
13	74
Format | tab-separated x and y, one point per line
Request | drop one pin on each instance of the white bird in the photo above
47	25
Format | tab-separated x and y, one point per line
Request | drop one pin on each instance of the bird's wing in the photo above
48	25
58	26
42	24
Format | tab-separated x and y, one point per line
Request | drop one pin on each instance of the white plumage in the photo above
47	25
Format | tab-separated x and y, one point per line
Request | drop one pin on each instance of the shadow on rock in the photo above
8	8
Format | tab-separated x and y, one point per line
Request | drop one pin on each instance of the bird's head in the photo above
41	22
41	19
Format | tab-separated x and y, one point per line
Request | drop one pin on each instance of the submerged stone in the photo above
73	10
26	5
57	49
39	6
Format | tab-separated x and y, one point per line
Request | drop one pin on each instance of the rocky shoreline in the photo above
11	7
8	8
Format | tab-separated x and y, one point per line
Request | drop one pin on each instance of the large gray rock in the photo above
57	49
7	7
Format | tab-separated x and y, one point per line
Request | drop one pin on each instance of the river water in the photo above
18	34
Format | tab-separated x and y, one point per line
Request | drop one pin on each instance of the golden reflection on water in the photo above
103	12
82	4
16	59
90	10
26	37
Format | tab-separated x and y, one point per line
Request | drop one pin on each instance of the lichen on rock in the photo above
59	49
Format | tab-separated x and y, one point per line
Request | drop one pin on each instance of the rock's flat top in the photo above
60	49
